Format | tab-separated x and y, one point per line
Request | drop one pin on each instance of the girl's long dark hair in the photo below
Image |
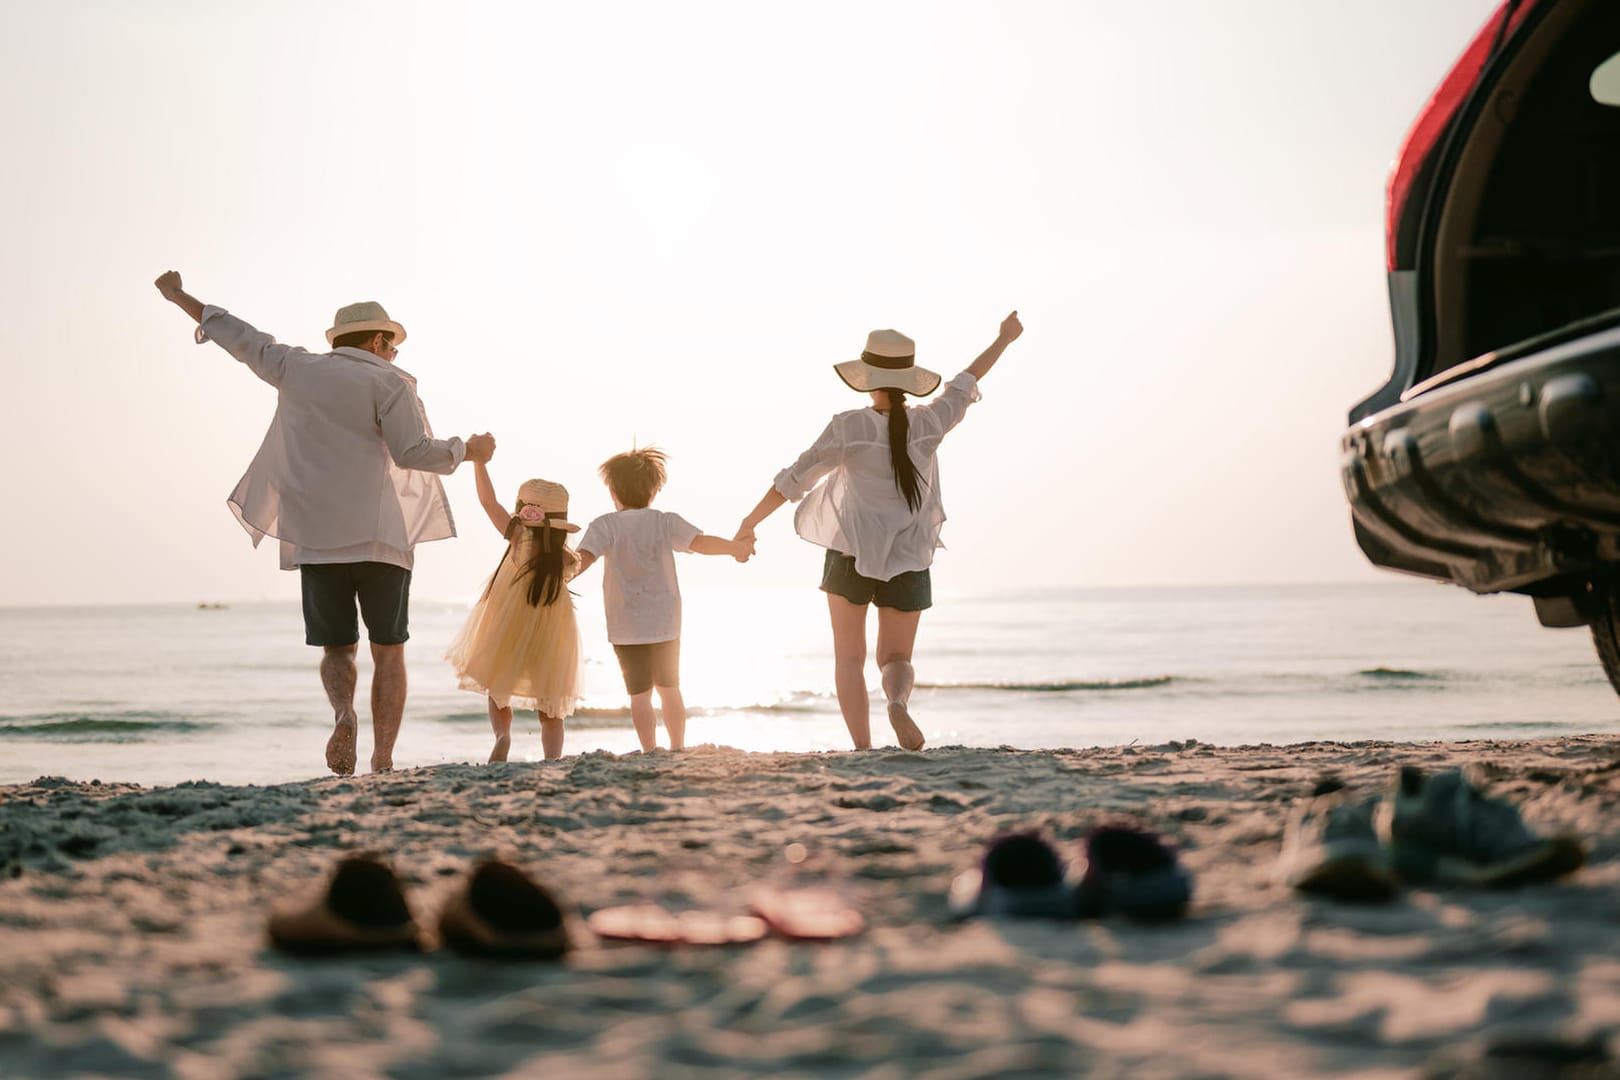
547	564
905	473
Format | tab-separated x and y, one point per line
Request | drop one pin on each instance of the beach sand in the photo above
132	924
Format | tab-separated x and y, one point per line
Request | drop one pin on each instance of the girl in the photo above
520	645
878	514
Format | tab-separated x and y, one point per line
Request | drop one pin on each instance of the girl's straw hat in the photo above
541	502
889	362
366	315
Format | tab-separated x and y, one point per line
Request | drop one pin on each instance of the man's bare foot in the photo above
905	729
340	751
502	745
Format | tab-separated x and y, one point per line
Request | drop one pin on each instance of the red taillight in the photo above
1436	114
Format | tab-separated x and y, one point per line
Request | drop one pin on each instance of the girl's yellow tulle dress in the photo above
519	655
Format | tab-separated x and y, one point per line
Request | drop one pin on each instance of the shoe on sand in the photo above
500	911
1131	872
656	925
1444	831
1020	877
1331	848
806	914
363	908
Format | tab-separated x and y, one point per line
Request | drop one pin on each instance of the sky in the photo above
614	224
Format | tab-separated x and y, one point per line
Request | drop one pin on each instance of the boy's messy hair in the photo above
635	476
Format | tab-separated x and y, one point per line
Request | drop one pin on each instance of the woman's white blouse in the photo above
857	509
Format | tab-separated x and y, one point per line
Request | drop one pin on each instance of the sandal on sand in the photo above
1131	872
806	914
500	911
1020	877
363	908
656	925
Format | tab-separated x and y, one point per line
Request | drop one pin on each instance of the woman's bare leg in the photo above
641	714
849	667
673	706
500	721
551	736
897	633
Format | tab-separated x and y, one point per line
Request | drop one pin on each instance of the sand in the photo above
132	924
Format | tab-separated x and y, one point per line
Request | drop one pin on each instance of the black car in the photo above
1491	458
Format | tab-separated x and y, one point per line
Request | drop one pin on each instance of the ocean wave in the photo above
1539	726
1400	675
1063	686
613	716
104	727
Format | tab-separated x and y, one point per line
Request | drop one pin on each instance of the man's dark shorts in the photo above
647	666
330	590
910	591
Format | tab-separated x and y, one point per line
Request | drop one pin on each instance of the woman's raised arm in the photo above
1010	329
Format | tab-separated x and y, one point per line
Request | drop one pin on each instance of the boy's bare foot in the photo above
905	729
340	751
502	745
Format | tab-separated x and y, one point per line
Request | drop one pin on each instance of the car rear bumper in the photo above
1508	479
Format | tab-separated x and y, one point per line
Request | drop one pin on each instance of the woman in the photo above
877	511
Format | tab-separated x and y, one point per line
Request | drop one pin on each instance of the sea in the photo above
229	693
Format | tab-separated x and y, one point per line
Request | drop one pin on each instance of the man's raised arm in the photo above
168	283
264	356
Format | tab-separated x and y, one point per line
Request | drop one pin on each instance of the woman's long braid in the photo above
905	473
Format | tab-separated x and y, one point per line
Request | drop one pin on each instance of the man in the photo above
343	480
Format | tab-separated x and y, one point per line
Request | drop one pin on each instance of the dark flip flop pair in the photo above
1127	871
496	911
809	914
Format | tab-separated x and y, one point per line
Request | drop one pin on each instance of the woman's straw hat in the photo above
541	502
889	362
358	318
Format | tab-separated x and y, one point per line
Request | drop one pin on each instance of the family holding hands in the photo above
347	481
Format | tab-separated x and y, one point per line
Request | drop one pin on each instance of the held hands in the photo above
480	448
743	549
168	284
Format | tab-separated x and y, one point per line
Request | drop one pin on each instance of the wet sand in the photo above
132	923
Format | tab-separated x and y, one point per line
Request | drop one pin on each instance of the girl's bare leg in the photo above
500	721
641	714
849	667
673	706
897	633
551	736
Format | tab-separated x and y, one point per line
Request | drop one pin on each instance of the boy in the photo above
639	589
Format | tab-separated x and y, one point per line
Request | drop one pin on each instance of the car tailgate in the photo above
1498	480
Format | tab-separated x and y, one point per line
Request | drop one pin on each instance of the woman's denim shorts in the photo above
910	591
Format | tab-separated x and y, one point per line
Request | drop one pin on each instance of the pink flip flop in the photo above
655	925
808	914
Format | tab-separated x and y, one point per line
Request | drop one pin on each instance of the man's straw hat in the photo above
358	318
890	361
546	503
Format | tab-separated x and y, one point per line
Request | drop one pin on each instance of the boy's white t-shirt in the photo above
639	590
